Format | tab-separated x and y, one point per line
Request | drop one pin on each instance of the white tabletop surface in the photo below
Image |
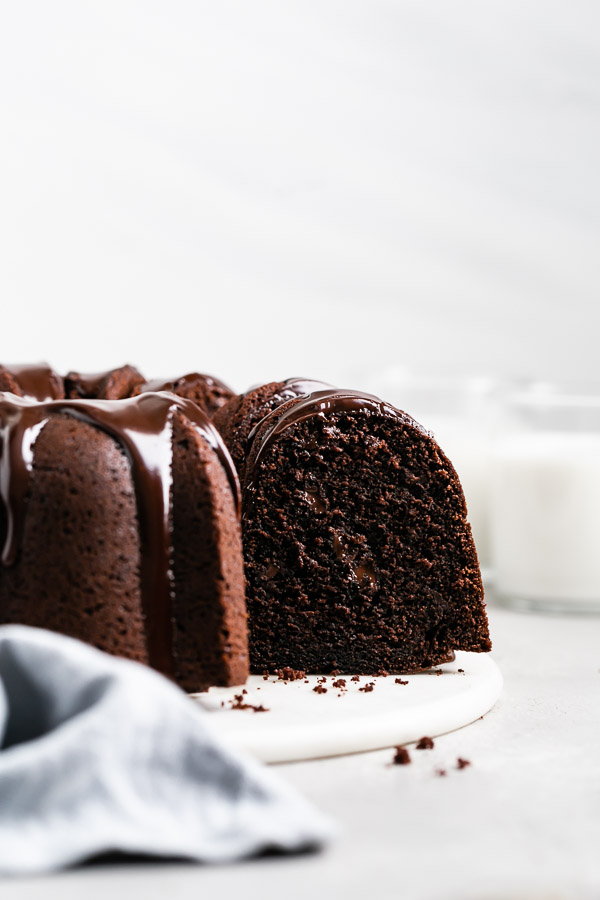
523	821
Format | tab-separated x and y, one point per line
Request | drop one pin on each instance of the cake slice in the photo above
358	553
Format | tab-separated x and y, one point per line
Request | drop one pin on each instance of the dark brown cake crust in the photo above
77	570
81	530
358	553
209	393
117	384
209	609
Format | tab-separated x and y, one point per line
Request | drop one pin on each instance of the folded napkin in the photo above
99	754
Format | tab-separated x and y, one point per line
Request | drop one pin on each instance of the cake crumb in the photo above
319	689
462	763
367	688
402	757
400	681
244	691
426	743
462	671
339	683
239	703
441	772
322	680
383	673
289	674
355	678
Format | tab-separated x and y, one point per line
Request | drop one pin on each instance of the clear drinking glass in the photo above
545	506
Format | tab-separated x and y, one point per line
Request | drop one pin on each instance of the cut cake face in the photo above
359	556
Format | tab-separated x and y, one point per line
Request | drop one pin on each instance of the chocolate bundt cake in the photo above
119	521
358	553
118	525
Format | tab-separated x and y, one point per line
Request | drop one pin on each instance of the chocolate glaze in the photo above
142	426
319	403
291	389
304	387
86	385
114	384
37	382
160	384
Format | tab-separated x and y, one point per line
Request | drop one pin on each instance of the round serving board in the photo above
301	723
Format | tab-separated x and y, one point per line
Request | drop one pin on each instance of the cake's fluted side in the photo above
142	427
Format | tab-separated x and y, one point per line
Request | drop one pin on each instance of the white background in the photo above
258	189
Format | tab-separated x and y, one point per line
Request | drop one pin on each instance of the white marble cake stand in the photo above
303	724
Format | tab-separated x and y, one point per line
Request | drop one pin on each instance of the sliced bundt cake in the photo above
119	524
359	556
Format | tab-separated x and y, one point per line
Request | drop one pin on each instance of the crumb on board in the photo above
401	757
238	702
289	674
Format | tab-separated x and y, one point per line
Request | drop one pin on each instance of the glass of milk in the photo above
545	502
461	414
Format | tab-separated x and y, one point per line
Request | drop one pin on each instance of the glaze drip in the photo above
37	382
86	385
143	427
182	383
292	389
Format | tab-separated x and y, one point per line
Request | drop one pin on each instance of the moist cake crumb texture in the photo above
358	553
